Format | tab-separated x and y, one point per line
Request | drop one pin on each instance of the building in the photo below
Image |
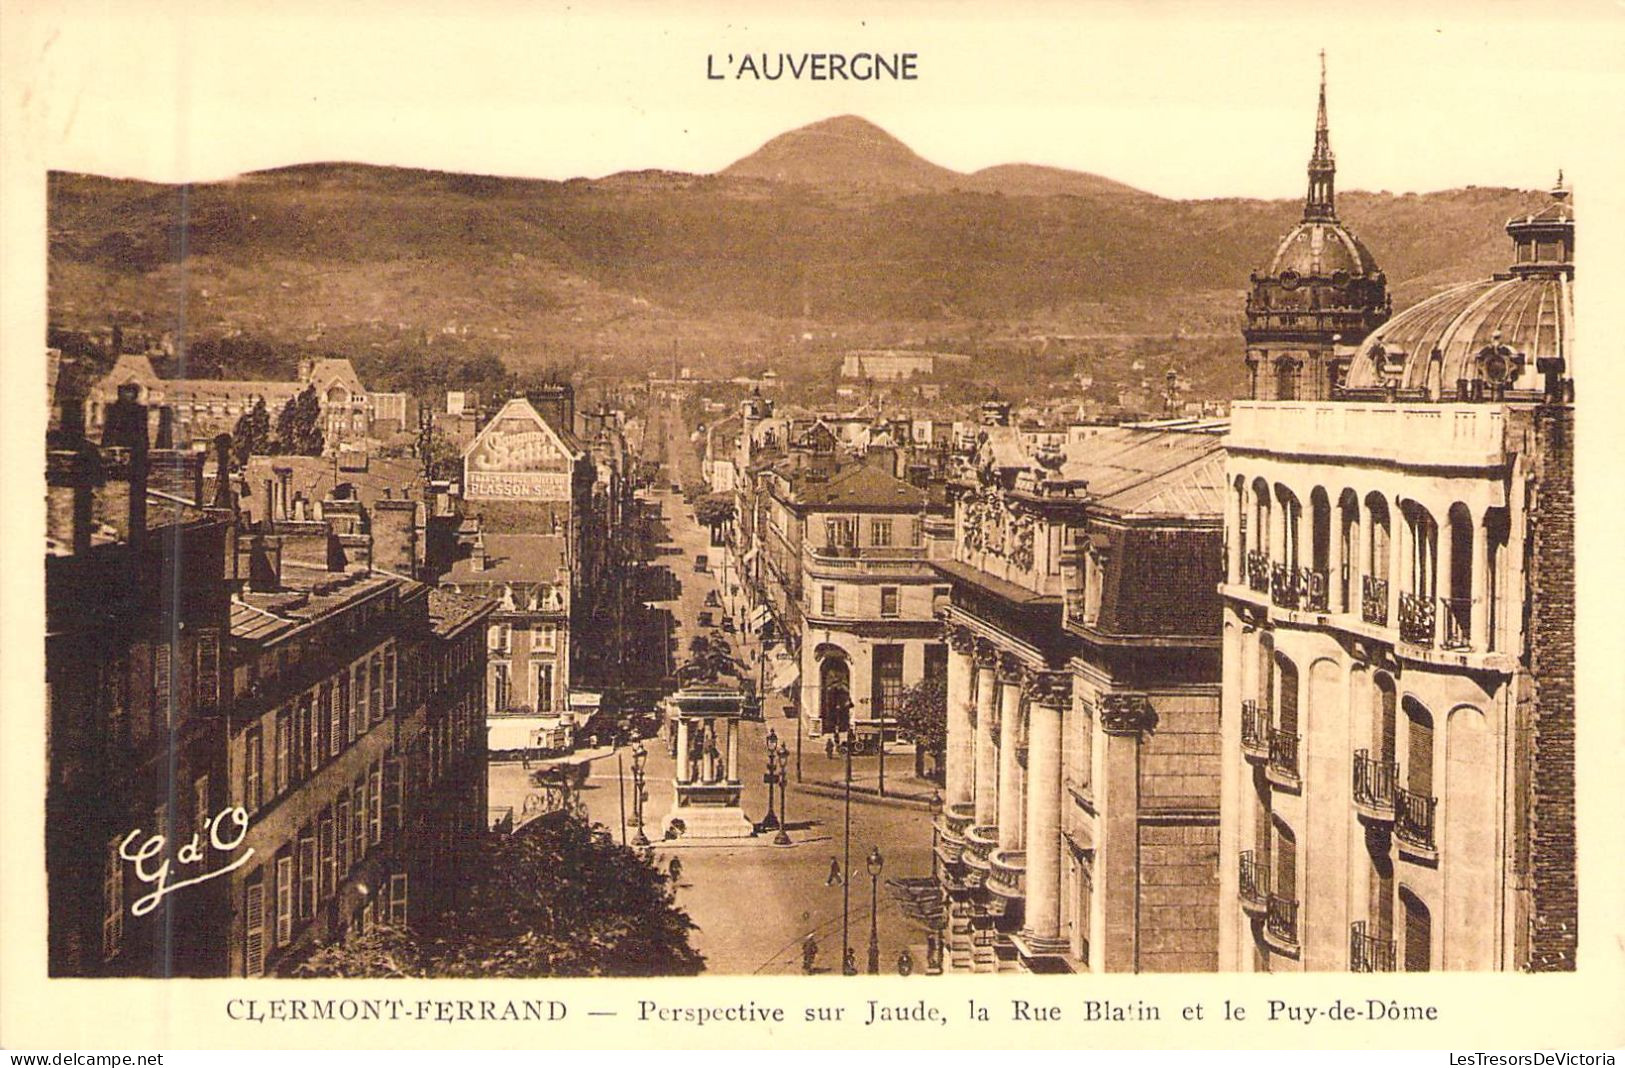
1398	730
890	365
252	702
200	408
527	492
1080	823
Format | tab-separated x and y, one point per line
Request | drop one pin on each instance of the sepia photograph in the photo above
1124	525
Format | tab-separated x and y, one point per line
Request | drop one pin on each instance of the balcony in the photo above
1313	589
1281	922
980	842
845	561
1413	819
1254	888
1255	730
1284	754
1450	435
1374	786
1284	590
1258	571
1374	600
1458	622
1416	619
1368	953
1007	875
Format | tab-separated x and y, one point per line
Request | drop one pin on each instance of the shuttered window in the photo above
329	872
335	719
359	818
284	750
375	806
254	926
341	834
162	696
284	900
1418	933
253	762
208	668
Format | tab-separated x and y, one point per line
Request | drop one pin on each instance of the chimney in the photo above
126	428
265	564
477	558
223	497
166	427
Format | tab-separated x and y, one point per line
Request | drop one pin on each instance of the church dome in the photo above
1321	249
1505	331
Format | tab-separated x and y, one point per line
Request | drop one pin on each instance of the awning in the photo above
761	615
786	672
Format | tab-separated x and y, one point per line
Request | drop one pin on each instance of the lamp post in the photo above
783	837
640	756
876	862
846	857
771	777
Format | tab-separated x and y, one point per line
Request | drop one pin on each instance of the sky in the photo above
1182	100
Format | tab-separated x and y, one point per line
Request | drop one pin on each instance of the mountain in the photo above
843	151
728	268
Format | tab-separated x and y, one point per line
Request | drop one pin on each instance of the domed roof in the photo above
1530	316
1499	326
1320	249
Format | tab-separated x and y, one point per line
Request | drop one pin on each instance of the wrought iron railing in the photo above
1255	728
1374	783
1374	600
1284	586
1413	818
1416	619
1458	622
1313	590
1281	919
1284	752
1254	883
1367	952
1258	571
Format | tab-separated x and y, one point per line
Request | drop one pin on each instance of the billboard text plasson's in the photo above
517	458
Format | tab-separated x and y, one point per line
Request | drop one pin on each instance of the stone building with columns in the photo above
1079	830
1398	730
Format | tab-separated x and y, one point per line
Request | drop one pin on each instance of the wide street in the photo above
755	902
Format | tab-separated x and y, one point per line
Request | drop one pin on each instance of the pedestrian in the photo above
829	747
850	965
834	872
809	954
676	870
905	963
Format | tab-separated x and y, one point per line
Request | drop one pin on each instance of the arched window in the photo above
1348	531
1418	932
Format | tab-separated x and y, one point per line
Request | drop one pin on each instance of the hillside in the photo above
722	269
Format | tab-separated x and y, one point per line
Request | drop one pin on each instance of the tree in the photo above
923	715
709	659
560	898
252	435
299	425
714	510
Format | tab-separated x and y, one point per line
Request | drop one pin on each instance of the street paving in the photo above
754	902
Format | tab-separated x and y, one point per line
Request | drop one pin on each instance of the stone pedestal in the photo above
706	787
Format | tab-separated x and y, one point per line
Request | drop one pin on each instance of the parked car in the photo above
705	620
727	624
702	562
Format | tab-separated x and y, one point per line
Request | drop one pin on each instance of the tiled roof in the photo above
513	558
310	595
861	485
448	610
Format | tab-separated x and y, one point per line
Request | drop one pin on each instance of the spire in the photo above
1322	166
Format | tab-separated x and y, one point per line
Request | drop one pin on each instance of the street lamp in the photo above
783	837
640	756
876	862
771	777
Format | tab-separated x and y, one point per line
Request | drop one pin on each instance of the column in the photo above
1232	527
1398	536
733	750
1483	553
961	749
1443	575
1010	806
1334	556
1043	906
1117	844
683	770
1364	565
987	751
1277	515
